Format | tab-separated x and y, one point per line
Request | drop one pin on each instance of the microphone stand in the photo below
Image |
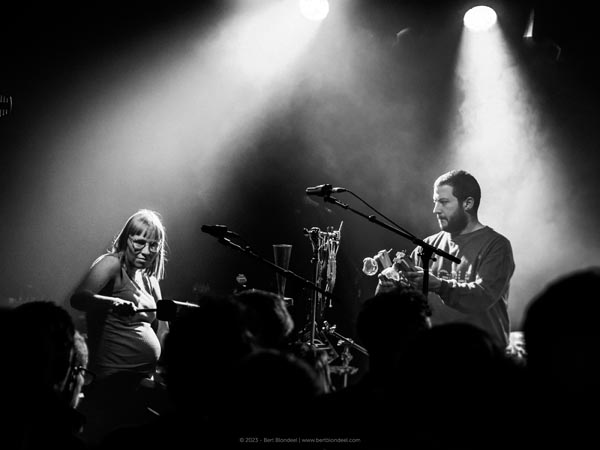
285	272
315	297
289	274
427	250
330	329
345	369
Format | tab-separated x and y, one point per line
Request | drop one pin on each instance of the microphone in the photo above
218	231
323	190
167	309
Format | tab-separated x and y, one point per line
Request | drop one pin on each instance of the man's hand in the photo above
385	284
416	279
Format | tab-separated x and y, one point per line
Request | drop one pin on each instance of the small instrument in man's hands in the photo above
401	263
371	264
391	269
405	263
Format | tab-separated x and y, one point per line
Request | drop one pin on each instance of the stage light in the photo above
480	18
314	9
500	133
529	29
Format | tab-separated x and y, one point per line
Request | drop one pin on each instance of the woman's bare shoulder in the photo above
110	262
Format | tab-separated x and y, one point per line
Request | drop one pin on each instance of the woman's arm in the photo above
86	298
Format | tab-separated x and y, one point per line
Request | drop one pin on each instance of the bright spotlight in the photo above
314	9
480	18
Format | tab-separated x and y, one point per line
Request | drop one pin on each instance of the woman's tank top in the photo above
124	343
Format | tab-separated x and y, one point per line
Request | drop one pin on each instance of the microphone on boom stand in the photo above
324	190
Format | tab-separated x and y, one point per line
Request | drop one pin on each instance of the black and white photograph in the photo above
290	224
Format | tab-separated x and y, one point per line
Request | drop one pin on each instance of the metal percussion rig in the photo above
318	333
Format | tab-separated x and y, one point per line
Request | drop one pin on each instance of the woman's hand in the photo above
123	308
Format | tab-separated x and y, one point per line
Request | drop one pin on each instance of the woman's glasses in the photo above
140	243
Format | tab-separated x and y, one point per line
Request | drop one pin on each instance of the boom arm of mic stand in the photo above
428	249
285	272
350	342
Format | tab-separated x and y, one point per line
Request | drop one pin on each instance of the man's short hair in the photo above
463	185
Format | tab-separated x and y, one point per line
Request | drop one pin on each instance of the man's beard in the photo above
457	222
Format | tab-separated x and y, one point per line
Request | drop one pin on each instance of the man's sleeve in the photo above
491	280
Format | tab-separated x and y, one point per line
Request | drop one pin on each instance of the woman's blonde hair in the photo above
147	223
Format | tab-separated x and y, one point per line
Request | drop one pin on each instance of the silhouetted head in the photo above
459	374
45	342
461	352
388	320
266	316
562	336
273	392
202	349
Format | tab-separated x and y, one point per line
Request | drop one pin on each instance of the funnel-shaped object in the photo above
281	253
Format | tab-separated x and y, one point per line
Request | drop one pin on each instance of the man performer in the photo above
475	290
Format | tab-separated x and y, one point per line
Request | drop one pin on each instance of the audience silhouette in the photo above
233	380
202	351
267	318
36	382
461	383
562	338
273	395
387	324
